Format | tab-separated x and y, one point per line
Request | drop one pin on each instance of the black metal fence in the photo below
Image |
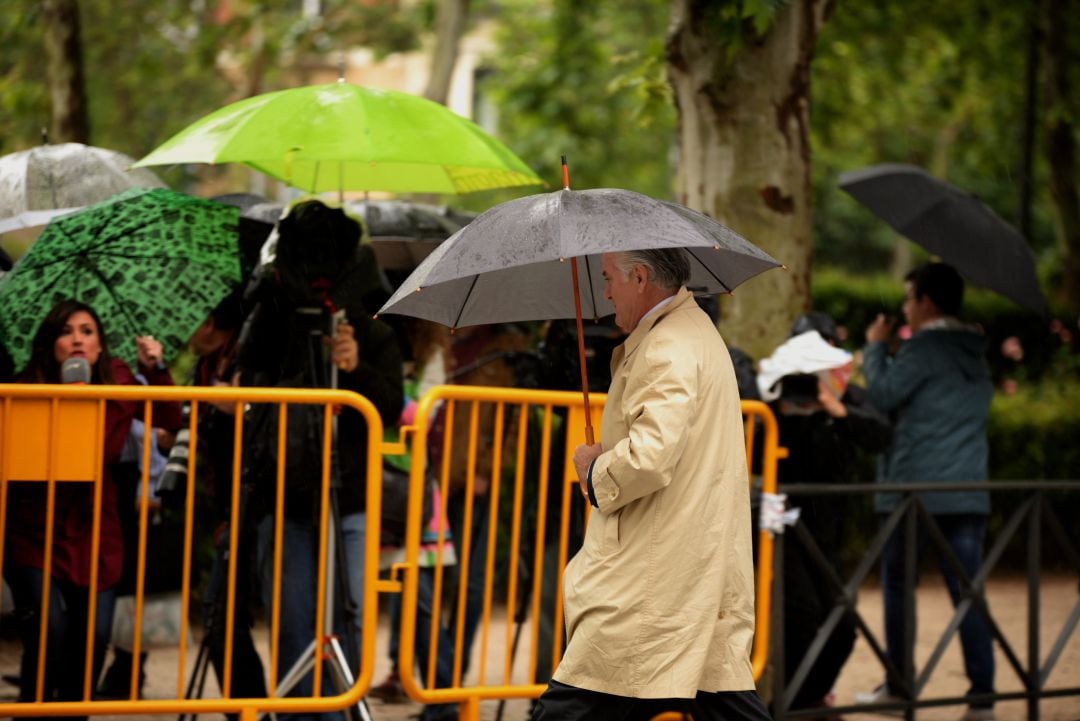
910	517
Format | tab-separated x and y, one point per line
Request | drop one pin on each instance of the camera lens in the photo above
174	478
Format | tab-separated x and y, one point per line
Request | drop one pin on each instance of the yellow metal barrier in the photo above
517	413
55	434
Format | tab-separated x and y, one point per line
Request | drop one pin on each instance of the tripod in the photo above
211	648
327	647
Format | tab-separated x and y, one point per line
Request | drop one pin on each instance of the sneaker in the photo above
978	714
390	690
880	694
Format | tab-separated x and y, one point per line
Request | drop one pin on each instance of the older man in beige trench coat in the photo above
660	601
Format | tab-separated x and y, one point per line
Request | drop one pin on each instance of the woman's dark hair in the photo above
43	367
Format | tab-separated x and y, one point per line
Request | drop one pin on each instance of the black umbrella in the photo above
952	224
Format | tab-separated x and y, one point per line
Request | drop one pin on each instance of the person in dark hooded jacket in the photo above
320	269
938	388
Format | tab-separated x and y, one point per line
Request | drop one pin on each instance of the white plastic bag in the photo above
160	622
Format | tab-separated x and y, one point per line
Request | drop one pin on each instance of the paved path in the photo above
1008	599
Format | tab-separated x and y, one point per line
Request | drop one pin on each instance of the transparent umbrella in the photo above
39	184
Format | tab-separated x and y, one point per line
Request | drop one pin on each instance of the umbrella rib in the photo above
709	270
464	302
120	303
592	291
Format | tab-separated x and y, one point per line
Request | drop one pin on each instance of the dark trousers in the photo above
66	643
567	703
808	601
964	533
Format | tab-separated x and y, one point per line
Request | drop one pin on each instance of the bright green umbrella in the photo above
149	262
341	136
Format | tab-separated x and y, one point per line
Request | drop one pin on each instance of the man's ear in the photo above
641	275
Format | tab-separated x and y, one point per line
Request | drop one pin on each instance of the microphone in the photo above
75	370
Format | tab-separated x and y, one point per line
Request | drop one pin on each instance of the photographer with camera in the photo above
308	325
214	344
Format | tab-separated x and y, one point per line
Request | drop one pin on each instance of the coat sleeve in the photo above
892	383
167	414
118	414
659	405
864	425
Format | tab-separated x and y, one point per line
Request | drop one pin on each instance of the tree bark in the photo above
1061	151
744	153
67	87
450	17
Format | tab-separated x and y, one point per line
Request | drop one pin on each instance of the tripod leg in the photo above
300	668
343	680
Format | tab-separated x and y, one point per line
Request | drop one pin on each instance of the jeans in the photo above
474	590
299	578
444	654
65	652
964	533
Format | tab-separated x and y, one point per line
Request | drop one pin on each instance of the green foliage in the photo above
586	80
24	95
940	85
1033	432
152	68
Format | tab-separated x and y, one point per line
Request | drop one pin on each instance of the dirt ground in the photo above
1008	600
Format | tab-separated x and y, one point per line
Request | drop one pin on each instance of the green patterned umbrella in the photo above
150	262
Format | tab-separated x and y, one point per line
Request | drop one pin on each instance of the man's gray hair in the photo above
668	268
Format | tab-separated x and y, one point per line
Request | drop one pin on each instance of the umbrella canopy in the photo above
507	265
39	184
341	136
953	225
150	262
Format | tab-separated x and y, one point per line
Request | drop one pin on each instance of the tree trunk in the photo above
744	152
1061	152
67	89
450	17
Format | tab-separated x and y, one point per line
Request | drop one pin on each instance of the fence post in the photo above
1034	559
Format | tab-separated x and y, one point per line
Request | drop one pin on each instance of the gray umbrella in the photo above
952	224
508	264
39	184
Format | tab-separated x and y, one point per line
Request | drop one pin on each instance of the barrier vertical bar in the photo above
140	568
46	559
911	550
541	522
279	523
189	534
1034	560
465	558
515	538
324	549
95	546
493	523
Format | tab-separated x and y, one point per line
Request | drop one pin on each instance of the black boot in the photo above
116	682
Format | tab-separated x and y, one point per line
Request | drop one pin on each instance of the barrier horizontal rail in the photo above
40	425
